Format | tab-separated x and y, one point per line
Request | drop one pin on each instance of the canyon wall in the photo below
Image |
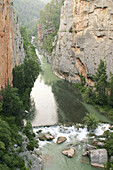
11	44
85	36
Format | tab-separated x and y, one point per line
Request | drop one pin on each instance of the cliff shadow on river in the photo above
70	107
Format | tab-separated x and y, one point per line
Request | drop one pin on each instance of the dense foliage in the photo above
28	130
91	121
25	74
28	12
100	79
13	102
50	19
9	137
102	94
109	147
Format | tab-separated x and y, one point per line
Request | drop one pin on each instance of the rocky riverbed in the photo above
63	142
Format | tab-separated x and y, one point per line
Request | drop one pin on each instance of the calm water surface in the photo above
57	101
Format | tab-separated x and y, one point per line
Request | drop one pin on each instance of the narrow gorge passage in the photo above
55	100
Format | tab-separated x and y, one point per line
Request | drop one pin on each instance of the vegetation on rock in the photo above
13	102
25	74
102	94
28	12
50	21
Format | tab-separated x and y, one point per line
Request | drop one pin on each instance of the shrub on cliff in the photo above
28	130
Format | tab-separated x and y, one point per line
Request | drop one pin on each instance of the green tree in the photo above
109	144
28	130
100	79
12	105
88	95
110	91
91	121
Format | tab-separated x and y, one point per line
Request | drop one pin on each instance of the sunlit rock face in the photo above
11	44
85	36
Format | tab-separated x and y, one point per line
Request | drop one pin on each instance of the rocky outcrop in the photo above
11	46
18	50
85	36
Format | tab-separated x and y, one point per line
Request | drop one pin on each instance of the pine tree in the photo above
110	95
100	79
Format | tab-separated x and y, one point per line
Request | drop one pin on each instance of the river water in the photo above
57	101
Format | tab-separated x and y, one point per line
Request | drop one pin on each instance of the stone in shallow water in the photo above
90	147
61	139
70	152
100	144
98	157
86	153
47	137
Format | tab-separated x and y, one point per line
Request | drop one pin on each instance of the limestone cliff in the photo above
85	36
11	45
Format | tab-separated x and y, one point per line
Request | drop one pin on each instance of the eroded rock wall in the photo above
10	52
85	36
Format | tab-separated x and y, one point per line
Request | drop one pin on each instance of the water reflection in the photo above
57	100
45	104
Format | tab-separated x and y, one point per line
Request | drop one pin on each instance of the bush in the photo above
91	121
88	95
71	30
30	146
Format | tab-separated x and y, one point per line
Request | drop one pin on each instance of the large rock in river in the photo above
70	152
98	157
61	140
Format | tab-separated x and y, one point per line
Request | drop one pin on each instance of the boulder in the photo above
49	137
111	159
111	127
70	152
100	144
61	139
90	147
42	137
86	153
46	136
98	157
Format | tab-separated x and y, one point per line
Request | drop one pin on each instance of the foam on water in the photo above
70	133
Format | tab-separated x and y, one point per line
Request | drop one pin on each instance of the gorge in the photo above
74	36
86	34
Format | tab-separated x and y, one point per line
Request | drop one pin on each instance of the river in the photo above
57	101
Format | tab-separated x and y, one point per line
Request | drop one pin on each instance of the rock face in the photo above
11	45
85	36
98	157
